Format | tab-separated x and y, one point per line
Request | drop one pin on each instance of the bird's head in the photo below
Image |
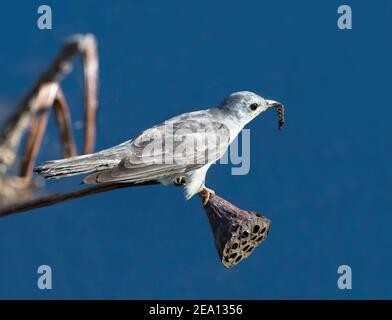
244	106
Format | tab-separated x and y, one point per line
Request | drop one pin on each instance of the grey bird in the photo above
178	151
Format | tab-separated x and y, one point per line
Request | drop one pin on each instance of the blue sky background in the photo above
324	181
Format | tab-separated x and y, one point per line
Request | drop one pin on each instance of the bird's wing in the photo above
168	149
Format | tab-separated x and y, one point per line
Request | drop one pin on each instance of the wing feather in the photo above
168	149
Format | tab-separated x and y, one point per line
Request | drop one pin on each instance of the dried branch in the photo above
37	131
33	111
20	120
56	198
44	100
63	119
90	63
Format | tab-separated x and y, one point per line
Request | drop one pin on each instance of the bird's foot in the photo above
205	194
179	181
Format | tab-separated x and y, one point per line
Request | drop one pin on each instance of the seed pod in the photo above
236	232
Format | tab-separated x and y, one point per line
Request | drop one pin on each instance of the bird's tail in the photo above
56	169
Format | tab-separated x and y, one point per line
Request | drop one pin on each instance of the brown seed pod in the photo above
236	232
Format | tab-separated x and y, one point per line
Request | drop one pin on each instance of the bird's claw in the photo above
205	194
179	181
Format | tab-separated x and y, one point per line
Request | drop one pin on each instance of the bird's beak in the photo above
273	104
280	108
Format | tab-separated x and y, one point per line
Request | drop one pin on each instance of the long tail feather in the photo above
56	169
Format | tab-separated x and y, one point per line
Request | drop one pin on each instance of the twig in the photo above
37	131
63	118
90	63
56	198
44	100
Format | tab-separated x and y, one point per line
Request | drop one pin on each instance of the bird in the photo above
178	151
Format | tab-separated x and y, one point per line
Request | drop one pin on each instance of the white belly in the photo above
194	180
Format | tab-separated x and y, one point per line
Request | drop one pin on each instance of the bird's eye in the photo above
253	106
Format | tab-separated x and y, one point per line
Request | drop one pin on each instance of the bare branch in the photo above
33	144
44	100
64	122
90	63
21	119
56	198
